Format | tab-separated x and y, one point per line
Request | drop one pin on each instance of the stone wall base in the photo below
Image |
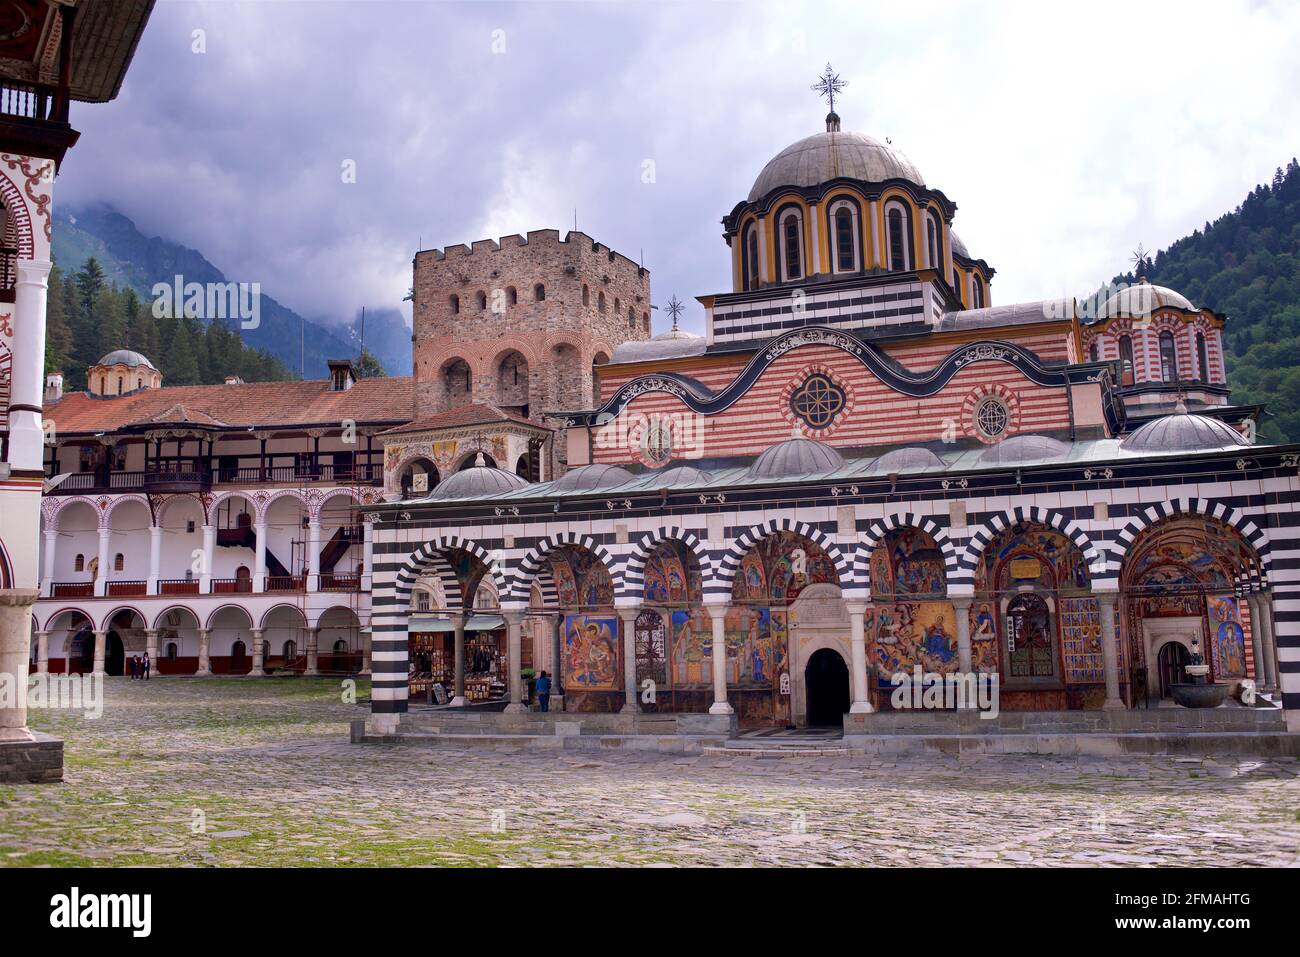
39	761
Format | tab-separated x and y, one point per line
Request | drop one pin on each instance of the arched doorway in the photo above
114	655
826	680
81	653
1172	660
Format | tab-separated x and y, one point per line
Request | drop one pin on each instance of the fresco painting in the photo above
591	652
1081	641
756	646
581	580
671	576
905	634
907	562
983	638
1227	637
691	649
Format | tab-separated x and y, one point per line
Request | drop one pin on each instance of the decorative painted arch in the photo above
979	541
266	615
212	616
634	567
881	527
721	583
316	622
102	624
164	503
6	568
1254	535
428	555
533	562
259	507
318	509
264	506
106	518
59	506
16	205
158	618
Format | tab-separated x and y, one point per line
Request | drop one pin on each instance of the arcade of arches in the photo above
796	650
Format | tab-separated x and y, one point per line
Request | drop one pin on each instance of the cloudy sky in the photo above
1065	136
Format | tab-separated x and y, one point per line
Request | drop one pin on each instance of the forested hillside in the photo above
1246	264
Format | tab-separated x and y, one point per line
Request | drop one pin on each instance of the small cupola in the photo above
343	375
54	387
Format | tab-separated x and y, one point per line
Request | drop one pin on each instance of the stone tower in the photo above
522	323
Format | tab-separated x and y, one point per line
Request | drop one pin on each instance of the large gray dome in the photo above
1024	448
910	459
823	157
1183	432
680	475
478	480
1142	300
125	357
586	478
666	345
796	457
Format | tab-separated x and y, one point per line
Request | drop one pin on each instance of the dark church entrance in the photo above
826	682
114	656
1172	660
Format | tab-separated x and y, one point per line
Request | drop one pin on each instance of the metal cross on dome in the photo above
675	309
828	84
1139	261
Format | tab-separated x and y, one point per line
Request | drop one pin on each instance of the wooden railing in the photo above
340	583
285	583
119	588
178	586
33	101
197	473
73	590
227	586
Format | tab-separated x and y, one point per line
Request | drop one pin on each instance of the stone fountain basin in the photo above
1199	696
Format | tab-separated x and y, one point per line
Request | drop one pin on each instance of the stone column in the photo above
962	607
259	653
155	559
861	703
105	566
557	660
1257	653
365	651
720	705
367	554
27	375
51	546
814	237
630	703
205	644
312	637
1109	649
1270	642
313	556
205	572
151	649
259	558
458	679
42	652
101	637
15	633
514	660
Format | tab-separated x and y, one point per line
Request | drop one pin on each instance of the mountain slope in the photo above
1246	264
132	259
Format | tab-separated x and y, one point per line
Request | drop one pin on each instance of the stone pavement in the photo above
191	771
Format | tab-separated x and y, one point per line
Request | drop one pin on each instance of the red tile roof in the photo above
293	403
474	413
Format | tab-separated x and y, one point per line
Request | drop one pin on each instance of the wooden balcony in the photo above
232	586
73	590
286	583
118	589
340	583
178	586
34	120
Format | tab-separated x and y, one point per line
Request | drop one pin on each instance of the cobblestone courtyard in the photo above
220	771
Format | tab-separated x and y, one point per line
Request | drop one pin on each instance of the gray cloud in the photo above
1063	142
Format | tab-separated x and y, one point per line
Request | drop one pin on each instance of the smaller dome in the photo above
1183	432
1024	448
479	479
587	478
1142	300
910	459
667	345
125	357
680	475
958	247
796	457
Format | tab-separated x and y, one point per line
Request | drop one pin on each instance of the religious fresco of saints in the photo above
755	646
691	638
666	577
591	650
1227	637
906	634
581	580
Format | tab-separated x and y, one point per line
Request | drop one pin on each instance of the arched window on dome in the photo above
898	232
976	291
1168	357
1126	360
790	233
932	233
1202	358
847	236
749	257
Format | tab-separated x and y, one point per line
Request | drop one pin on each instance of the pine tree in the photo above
182	358
110	325
58	334
369	367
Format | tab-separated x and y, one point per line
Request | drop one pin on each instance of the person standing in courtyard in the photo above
543	689
144	664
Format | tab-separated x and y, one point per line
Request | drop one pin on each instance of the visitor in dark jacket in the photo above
543	689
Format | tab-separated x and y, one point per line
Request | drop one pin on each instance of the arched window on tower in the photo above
1168	357
749	259
1094	350
586	295
932	233
539	292
481	298
600	302
1126	360
791	233
631	318
847	247
896	234
454	303
512	296
1202	357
